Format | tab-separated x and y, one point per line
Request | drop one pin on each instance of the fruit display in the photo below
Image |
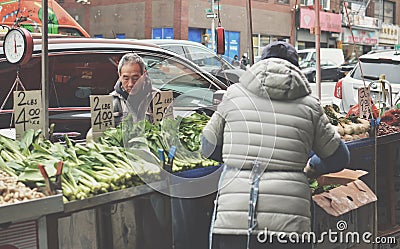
389	123
351	127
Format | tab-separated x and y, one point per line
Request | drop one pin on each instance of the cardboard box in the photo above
344	205
345	198
342	177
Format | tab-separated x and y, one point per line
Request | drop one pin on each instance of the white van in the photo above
334	55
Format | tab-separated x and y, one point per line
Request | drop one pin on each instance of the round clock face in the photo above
18	46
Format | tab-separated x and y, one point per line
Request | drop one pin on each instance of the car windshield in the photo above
302	56
189	88
203	57
376	68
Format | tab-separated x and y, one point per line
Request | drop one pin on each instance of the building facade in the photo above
344	24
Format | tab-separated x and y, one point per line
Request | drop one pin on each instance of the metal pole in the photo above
317	49
250	33
212	27
45	70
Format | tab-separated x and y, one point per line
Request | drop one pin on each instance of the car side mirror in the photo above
220	40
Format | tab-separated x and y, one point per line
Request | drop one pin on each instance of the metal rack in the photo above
29	215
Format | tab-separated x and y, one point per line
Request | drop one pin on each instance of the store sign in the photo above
28	111
389	34
362	21
362	37
328	21
162	105
101	112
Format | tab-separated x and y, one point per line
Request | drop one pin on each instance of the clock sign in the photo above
18	46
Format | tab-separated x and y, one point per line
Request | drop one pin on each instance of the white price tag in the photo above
162	105
27	111
102	112
364	101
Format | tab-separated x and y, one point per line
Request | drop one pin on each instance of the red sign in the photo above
328	21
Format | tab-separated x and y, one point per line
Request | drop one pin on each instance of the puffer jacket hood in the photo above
277	79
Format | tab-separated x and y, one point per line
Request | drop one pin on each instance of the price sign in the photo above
162	105
102	112
27	111
364	101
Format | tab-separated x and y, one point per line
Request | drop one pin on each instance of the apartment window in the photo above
259	43
325	4
384	10
282	1
120	36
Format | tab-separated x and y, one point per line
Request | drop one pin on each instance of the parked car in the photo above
347	66
329	70
334	55
80	67
371	67
203	57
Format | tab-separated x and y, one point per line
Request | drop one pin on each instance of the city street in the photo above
159	124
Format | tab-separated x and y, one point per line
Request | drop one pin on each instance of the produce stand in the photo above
385	175
100	214
191	217
94	222
31	216
42	217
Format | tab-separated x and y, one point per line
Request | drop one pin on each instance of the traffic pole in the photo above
318	49
212	27
45	70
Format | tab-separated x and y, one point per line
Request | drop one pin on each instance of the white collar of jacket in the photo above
275	78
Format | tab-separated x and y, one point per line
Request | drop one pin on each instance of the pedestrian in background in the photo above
264	131
244	62
235	62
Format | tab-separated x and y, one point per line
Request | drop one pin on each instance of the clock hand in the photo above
15	45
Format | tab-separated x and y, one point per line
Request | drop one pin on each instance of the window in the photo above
282	1
189	88
384	10
176	49
376	68
260	42
69	31
120	36
205	59
325	4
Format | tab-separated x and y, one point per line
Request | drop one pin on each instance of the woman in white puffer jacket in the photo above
269	122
